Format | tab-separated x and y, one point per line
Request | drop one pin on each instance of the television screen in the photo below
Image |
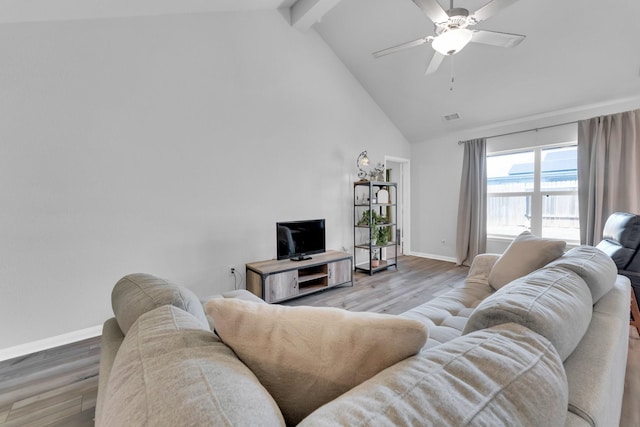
298	239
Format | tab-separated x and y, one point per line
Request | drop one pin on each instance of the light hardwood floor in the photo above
58	387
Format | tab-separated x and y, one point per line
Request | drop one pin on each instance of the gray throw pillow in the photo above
169	372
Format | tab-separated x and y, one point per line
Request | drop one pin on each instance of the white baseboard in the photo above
47	343
431	256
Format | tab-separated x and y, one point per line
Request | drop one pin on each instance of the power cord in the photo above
236	274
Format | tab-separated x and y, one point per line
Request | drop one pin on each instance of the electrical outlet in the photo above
232	270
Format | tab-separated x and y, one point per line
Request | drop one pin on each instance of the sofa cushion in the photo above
595	267
525	254
503	376
170	372
308	356
554	302
446	315
136	294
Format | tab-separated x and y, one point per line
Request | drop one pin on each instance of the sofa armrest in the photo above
481	267
110	342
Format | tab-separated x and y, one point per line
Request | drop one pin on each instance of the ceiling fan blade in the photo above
495	38
402	46
436	60
433	10
490	9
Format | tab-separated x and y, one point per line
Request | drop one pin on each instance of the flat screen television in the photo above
299	239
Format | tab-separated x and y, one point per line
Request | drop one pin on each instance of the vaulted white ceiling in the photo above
576	53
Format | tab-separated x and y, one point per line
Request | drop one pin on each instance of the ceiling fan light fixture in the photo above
452	41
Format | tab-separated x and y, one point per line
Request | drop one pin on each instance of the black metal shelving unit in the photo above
369	216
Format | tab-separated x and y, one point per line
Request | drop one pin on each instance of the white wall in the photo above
435	183
166	145
436	167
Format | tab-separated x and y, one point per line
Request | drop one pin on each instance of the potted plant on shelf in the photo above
383	236
375	261
379	233
369	217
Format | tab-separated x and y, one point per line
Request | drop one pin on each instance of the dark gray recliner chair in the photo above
621	241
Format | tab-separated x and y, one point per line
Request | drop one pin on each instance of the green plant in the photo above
368	216
383	235
373	216
379	235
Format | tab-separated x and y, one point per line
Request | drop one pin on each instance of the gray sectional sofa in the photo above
547	348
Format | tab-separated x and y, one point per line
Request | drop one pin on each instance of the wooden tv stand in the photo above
276	281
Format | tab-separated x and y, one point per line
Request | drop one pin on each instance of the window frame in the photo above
537	194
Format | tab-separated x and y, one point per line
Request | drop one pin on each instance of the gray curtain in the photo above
608	170
471	238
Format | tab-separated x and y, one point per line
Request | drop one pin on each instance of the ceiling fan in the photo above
452	32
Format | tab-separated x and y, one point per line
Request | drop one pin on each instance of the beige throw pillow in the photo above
525	254
308	356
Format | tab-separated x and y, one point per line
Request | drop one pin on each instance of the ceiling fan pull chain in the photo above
452	75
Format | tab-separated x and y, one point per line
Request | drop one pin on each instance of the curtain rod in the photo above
523	131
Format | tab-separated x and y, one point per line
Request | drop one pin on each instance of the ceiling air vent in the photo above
451	117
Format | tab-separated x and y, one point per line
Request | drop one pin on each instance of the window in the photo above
535	190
